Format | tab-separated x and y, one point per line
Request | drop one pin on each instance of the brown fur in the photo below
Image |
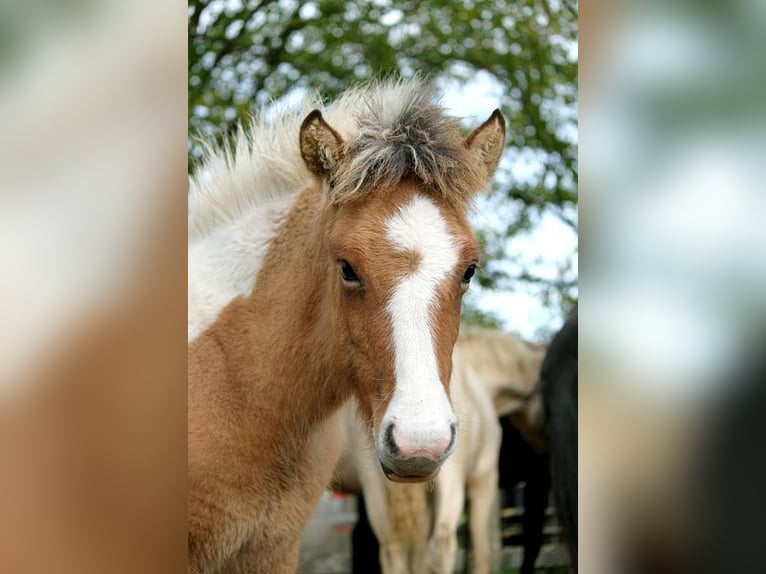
267	377
254	474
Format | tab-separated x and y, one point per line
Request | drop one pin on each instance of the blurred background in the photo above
92	286
520	56
672	131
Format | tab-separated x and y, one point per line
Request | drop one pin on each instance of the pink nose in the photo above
430	444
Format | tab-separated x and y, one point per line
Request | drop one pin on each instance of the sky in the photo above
543	248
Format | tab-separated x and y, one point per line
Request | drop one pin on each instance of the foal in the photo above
327	259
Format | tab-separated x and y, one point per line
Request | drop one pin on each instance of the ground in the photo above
326	547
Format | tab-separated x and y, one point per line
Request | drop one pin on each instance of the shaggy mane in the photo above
393	130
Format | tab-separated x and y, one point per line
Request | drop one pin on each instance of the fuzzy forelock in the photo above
402	132
393	130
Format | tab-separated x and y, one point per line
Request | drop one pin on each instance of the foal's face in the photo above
401	262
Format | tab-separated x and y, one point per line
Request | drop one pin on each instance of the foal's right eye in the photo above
347	273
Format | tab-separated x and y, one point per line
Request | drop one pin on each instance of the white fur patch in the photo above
223	265
419	406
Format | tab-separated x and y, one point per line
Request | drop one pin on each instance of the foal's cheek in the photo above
369	350
351	309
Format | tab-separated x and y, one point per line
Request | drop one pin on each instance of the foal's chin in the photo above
416	469
395	477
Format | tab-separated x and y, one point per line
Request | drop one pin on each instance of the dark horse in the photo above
519	462
558	381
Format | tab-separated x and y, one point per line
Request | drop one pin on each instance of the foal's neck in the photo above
288	323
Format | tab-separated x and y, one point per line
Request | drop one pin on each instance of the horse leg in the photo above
365	550
392	556
449	503
394	559
394	547
484	522
535	503
419	555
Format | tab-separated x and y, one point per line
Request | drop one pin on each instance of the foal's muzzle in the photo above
408	457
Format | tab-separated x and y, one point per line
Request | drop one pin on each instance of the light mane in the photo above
261	165
392	130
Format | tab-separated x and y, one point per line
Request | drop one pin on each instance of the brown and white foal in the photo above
326	259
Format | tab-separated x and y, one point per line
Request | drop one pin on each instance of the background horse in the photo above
328	255
488	366
510	370
416	525
519	462
559	388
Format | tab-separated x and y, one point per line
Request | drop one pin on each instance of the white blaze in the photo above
419	407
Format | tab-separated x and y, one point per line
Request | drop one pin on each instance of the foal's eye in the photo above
347	273
469	272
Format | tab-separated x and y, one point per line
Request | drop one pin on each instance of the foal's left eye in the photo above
469	272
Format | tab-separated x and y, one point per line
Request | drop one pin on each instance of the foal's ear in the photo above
487	141
321	146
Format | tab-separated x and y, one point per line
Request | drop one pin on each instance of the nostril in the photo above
389	440
453	436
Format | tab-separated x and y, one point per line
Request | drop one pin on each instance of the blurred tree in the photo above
245	53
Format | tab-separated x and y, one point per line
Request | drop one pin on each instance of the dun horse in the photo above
329	252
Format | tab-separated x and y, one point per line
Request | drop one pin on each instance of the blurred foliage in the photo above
475	317
245	53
